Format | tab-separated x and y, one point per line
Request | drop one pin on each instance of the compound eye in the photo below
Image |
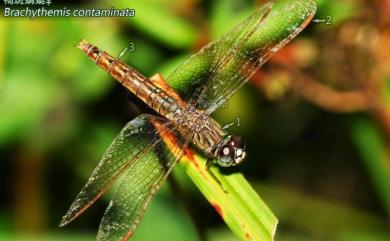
238	142
226	155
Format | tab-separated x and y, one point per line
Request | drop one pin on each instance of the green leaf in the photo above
233	198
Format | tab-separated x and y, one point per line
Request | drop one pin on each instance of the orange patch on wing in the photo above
159	81
170	139
189	153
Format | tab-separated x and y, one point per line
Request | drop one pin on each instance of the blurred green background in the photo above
316	119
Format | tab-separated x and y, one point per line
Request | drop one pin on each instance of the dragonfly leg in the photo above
208	164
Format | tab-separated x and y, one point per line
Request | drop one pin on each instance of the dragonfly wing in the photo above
136	139
221	68
204	65
159	81
136	190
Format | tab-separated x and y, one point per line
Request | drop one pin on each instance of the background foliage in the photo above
316	120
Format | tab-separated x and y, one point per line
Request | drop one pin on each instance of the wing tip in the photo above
64	222
73	213
68	218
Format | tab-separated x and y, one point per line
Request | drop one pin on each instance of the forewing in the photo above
190	78
222	67
142	181
136	139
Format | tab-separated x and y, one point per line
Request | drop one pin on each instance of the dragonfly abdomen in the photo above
138	84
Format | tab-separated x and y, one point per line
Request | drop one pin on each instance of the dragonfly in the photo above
183	112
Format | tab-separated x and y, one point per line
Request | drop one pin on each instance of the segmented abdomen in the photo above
138	84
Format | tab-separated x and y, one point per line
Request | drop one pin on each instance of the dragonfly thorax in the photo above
192	119
209	137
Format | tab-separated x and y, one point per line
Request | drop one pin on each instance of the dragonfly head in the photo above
230	151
